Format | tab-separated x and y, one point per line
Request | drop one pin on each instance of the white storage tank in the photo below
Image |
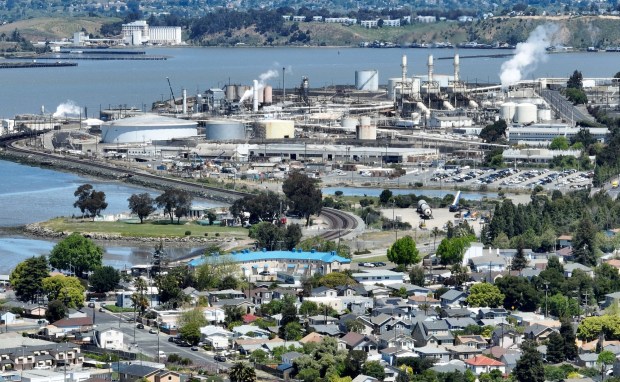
147	128
507	111
349	123
231	92
275	129
367	80
544	115
365	130
224	130
526	113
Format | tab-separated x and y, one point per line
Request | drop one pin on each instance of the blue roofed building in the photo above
257	264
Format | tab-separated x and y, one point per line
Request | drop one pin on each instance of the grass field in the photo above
159	228
370	259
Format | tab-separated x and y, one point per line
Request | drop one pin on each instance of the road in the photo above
563	107
147	343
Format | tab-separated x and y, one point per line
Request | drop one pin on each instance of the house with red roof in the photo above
482	364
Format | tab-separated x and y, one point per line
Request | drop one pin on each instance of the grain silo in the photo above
365	130
231	92
224	130
275	129
367	80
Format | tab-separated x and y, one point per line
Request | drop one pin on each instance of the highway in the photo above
566	110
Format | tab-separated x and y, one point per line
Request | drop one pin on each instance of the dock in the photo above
498	55
33	64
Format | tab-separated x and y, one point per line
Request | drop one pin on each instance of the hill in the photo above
54	28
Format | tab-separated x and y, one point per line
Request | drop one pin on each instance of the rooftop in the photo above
245	256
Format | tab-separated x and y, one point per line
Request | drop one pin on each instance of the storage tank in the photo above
367	80
241	91
366	130
224	130
275	129
544	114
424	209
349	123
507	111
268	95
147	128
231	92
526	113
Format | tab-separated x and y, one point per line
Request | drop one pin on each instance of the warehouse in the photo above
147	128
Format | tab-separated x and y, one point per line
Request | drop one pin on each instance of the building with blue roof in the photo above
294	263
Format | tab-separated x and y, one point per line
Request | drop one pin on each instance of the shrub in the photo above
206	233
217	234
187	233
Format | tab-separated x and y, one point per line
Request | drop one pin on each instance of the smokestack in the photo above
184	101
457	65
430	68
255	96
403	65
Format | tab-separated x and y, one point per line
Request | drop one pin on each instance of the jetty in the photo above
34	64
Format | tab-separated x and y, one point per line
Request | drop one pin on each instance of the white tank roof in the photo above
147	120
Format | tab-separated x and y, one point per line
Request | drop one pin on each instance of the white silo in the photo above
255	96
349	123
365	130
525	113
544	114
507	111
367	80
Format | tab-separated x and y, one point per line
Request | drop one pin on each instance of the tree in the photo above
334	279
213	270
76	254
233	315
451	250
519	293
272	237
417	276
584	245
385	197
354	326
529	367
56	310
142	205
575	81
175	203
89	200
562	306
555	348
27	278
303	194
293	331
605	359
259	356
403	252
354	362
559	143
190	323
495	132
170	291
485	295
309	308
242	372
519	261
374	369
262	207
568	334
138	298
67	289
104	279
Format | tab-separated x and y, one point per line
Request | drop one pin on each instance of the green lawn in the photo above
373	259
161	228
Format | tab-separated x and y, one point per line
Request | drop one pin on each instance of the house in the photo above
491	313
250	331
587	359
246	306
565	241
484	264
123	298
110	339
510	360
321	320
215	336
423	302
506	336
570	268
329	330
433	352
364	378
378	324
312	337
452	298
432	333
611	299
473	341
261	296
289	357
132	372
455	313
324	292
482	364
67	325
8	318
396	339
460	323
357	341
411	290
379	276
462	352
74	313
537	332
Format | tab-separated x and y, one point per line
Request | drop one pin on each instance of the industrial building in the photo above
275	129
147	128
542	134
138	32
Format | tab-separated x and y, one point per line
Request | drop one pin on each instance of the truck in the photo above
614	184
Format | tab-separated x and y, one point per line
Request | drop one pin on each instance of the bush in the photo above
338	193
419	184
206	233
217	234
187	233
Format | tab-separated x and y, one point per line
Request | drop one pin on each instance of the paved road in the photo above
148	343
563	107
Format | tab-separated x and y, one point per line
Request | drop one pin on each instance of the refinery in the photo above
416	120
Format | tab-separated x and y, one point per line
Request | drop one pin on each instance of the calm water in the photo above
97	84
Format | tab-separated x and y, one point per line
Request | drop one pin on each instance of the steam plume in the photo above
262	80
67	109
528	54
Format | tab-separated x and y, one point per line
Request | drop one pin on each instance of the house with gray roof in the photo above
438	353
450	367
452	298
396	339
357	341
328	330
587	359
538	332
506	337
460	323
462	352
571	267
432	333
510	360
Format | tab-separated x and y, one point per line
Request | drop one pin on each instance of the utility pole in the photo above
586	306
546	290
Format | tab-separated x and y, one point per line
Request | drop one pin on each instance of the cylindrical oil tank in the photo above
231	92
366	130
526	113
349	122
261	95
544	114
268	95
241	89
275	129
507	111
367	80
224	130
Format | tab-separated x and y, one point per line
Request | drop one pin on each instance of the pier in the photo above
32	64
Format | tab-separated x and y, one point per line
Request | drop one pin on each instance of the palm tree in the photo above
435	232
242	372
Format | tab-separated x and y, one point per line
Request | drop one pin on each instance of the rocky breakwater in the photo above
38	230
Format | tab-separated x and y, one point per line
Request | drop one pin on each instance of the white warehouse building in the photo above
147	128
139	32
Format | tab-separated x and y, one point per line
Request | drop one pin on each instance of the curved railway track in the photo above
341	223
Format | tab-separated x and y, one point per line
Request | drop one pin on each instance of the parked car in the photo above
219	358
140	326
91	304
170	339
194	348
152	330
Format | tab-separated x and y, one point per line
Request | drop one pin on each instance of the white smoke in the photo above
528	54
262	81
67	109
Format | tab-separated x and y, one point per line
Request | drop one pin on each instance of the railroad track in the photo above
341	223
